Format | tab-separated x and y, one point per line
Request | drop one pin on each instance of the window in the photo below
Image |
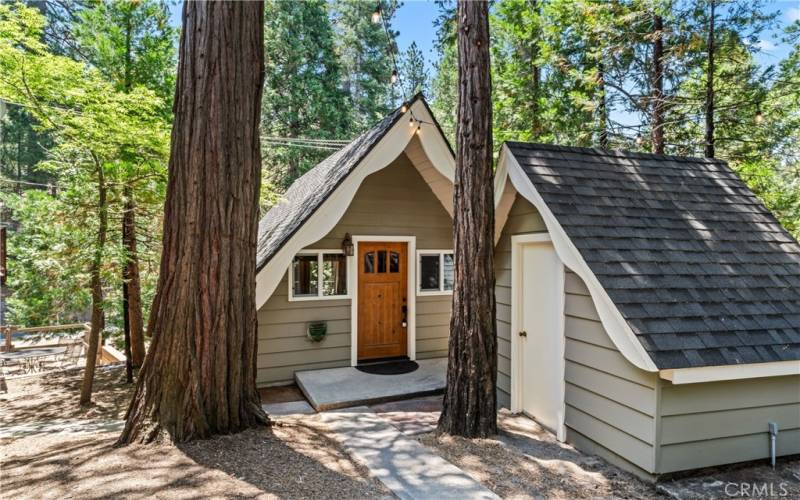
435	272
319	274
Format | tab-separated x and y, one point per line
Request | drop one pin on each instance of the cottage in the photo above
648	306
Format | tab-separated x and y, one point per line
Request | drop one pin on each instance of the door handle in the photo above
523	333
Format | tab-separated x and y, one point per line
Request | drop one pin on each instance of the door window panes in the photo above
394	262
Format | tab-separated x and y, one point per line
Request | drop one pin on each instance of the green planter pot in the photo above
317	331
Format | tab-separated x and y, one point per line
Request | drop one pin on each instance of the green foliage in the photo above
103	137
365	53
413	72
303	97
47	270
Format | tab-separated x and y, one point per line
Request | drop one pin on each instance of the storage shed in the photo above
648	307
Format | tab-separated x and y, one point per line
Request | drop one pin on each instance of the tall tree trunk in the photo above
657	118
470	406
131	283
709	143
602	105
536	73
198	378
98	318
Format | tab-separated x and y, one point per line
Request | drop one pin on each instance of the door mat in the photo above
389	368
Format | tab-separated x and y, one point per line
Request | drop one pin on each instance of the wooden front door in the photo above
382	304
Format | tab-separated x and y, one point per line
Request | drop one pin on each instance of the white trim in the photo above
441	290
730	372
615	325
330	212
291	297
411	302
517	242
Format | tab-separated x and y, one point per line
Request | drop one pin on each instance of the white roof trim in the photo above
325	218
617	327
730	372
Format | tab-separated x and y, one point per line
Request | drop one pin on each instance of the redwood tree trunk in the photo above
131	287
709	142
657	118
198	378
470	407
96	285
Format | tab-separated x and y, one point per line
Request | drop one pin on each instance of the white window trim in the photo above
441	290
319	253
411	302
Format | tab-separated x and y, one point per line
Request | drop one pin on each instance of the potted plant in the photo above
317	331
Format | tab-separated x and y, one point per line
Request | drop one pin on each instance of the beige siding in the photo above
523	218
609	401
725	422
395	201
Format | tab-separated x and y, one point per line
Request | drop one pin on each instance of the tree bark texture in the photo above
198	378
709	142
131	283
657	118
470	407
602	105
96	285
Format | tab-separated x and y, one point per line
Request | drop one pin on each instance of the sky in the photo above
414	20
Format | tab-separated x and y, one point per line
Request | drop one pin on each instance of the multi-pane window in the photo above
436	269
318	274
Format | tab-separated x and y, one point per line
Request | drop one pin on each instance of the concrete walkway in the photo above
409	469
335	388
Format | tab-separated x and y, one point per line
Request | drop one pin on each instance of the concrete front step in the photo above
335	388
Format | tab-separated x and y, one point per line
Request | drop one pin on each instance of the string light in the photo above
376	16
639	139
759	116
394	76
404	108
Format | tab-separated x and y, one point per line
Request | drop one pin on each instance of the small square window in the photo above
334	274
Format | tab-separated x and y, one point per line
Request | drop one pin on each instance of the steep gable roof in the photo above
309	191
697	266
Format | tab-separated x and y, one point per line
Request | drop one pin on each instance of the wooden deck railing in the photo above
105	355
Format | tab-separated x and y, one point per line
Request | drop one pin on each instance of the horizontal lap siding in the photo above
608	400
395	201
523	218
725	422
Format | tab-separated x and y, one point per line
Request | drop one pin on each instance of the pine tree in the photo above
302	93
367	56
413	73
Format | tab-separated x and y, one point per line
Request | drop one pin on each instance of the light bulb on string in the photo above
639	139
393	78
419	129
404	108
411	121
759	116
376	16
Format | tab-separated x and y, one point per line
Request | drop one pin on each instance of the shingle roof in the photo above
311	190
696	264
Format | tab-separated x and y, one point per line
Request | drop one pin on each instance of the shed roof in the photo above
698	267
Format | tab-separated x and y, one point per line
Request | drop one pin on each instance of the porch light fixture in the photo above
347	245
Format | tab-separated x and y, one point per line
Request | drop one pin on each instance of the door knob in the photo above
523	333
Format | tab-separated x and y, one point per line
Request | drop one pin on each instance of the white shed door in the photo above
541	338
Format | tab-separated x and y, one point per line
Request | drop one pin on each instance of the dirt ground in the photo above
295	458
